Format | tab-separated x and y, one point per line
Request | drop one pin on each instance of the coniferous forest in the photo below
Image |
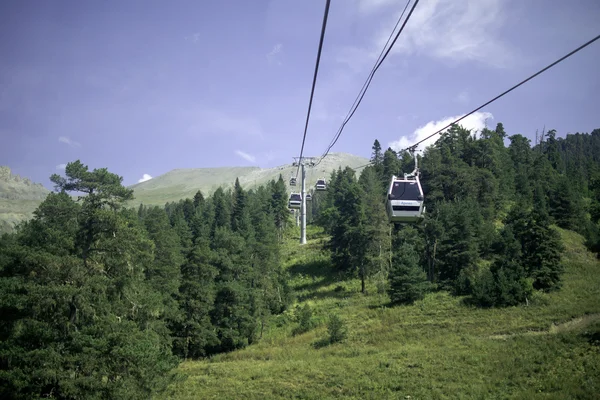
98	300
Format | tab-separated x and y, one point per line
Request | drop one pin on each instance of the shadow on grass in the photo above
333	293
321	275
315	268
319	344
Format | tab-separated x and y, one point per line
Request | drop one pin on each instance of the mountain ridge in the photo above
19	197
183	183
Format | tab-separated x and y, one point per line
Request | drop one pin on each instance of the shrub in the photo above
336	329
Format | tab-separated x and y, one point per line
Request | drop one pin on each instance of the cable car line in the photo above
494	99
378	62
509	90
312	92
365	84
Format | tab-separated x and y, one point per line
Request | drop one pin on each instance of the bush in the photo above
305	321
336	329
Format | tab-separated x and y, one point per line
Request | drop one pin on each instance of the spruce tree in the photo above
194	333
376	227
81	295
407	280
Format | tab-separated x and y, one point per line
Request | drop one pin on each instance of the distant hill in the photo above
183	183
19	197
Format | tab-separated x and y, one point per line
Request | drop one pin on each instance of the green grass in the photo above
435	349
179	184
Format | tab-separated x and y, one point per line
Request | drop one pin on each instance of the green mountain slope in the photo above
19	197
184	183
436	348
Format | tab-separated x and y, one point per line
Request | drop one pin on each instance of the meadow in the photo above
437	348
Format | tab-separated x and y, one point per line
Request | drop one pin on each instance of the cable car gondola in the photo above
405	202
292	181
308	197
295	201
321	185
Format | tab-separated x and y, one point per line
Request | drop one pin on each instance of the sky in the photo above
145	86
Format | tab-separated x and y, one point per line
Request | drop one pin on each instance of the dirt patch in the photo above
576	324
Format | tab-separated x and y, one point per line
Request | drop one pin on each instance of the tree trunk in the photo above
362	279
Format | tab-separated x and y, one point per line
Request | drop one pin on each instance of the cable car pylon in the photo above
303	162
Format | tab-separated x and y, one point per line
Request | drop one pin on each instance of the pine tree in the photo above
81	295
182	229
347	243
541	246
164	273
240	217
457	248
194	333
376	227
198	200
521	155
279	201
408	281
565	206
222	209
505	283
390	166
377	157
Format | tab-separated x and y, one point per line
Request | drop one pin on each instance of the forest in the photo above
98	300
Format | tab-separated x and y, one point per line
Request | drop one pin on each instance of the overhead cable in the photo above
499	96
312	91
382	56
507	91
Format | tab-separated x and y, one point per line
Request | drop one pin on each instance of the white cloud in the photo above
144	178
474	122
449	30
69	141
453	30
246	156
61	166
273	55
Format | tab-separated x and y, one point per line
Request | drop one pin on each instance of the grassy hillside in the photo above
437	348
184	183
19	197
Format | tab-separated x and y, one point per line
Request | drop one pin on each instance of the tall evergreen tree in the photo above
82	297
194	333
376	226
408	281
163	273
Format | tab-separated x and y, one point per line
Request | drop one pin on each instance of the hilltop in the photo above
19	197
184	183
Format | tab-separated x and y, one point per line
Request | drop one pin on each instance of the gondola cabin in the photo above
295	201
292	181
308	197
405	200
321	185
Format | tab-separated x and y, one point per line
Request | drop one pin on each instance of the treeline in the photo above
488	228
100	301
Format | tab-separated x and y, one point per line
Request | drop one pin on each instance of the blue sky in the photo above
143	87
